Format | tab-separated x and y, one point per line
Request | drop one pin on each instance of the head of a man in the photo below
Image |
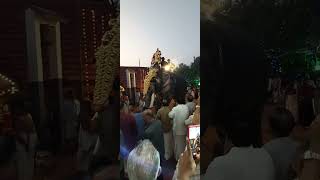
180	100
165	102
190	98
148	116
279	123
143	162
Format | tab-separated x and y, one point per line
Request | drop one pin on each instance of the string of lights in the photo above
102	24
94	30
85	50
94	25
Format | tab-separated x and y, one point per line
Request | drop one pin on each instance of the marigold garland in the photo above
107	63
152	73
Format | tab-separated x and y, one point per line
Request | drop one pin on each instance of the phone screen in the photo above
194	138
194	132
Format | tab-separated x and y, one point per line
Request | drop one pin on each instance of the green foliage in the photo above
276	25
294	62
191	73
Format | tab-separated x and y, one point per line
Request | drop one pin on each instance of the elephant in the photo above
165	85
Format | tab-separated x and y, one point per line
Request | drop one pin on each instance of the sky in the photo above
173	26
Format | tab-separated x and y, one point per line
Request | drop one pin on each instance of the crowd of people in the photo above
155	134
86	130
247	132
250	132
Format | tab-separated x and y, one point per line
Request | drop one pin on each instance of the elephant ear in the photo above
107	64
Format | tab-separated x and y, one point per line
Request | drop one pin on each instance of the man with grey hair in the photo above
144	162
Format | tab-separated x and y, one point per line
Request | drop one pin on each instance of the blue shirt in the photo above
139	124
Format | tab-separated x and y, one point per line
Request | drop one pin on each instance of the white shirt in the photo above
191	106
246	163
179	114
189	120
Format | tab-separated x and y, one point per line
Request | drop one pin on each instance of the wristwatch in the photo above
309	155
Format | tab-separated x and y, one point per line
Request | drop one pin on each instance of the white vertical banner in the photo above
128	79
134	80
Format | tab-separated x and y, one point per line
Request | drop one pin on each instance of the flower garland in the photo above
152	73
107	63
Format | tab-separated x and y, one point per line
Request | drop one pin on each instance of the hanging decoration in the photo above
85	49
107	63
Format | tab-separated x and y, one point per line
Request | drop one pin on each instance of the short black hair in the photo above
180	89
240	133
165	102
180	100
234	81
281	122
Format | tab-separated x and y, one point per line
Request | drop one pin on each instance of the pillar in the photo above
134	87
35	69
55	80
128	83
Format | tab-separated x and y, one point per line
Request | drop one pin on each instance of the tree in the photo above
191	73
280	26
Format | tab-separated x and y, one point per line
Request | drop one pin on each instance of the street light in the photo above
167	67
170	67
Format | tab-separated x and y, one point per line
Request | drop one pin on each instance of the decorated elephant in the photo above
162	83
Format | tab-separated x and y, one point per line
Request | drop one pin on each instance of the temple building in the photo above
48	47
132	79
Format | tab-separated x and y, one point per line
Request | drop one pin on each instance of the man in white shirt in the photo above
276	130
243	161
179	114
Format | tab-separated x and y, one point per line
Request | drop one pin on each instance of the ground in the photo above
168	169
62	167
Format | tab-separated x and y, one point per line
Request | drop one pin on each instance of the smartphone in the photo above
194	138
